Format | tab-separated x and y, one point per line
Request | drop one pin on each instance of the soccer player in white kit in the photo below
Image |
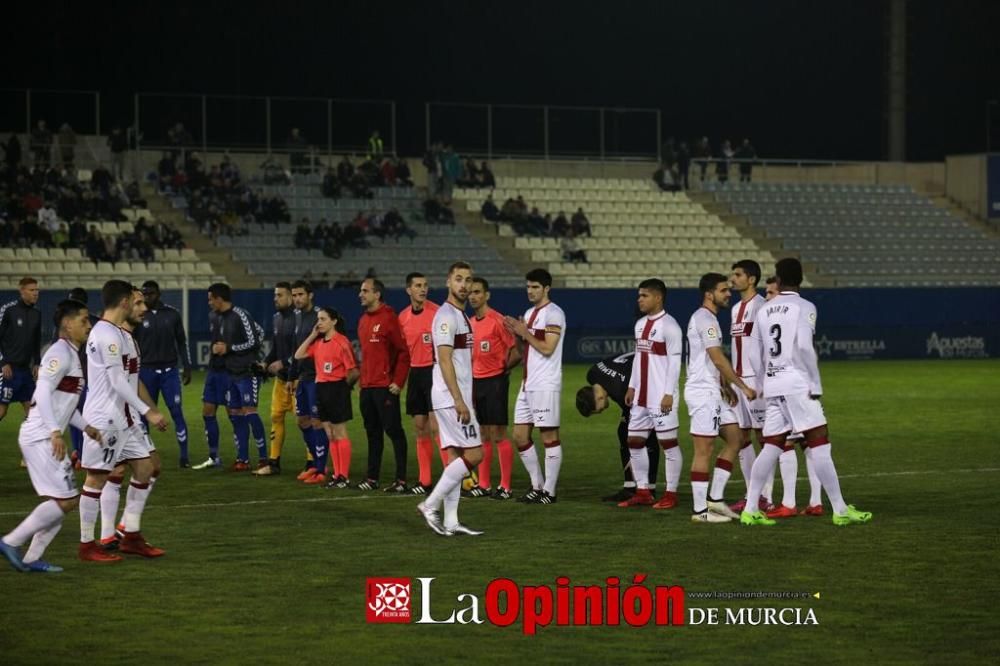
706	392
784	331
653	396
744	279
542	332
451	399
113	406
53	407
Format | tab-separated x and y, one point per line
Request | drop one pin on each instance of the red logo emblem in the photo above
388	600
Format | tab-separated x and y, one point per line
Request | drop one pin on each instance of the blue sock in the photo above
180	426
321	449
77	437
212	431
257	428
241	433
307	436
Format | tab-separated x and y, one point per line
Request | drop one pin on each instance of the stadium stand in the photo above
868	235
637	231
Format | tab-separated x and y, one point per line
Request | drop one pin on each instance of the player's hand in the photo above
515	326
666	403
290	387
749	392
8	371
275	367
629	397
93	433
156	418
186	376
464	415
394	388
729	396
218	348
58	446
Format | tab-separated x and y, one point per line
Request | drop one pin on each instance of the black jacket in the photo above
613	374
304	369
283	341
243	337
162	339
20	334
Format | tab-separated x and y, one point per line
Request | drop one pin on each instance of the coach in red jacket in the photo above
385	362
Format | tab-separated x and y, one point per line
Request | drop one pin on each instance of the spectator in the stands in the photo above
61	237
683	165
298	148
67	145
387	173
571	250
580	225
536	223
489	210
437	212
746	154
331	185
41	144
664	179
95	248
560	225
432	162
722	163
47	217
403	176
345	171
703	154
303	235
375	151
396	226
470	175
118	145
669	157
486	178
12	153
451	168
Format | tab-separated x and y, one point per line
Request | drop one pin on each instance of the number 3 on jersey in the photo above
775	332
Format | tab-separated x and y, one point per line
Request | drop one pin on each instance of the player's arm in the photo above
353	374
674	346
56	367
144	395
36	347
451	381
249	333
514	353
633	384
399	356
305	349
726	370
180	340
546	345
810	362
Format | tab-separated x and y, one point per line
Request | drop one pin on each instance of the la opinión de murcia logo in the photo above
388	600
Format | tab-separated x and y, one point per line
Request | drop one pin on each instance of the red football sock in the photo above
484	466
344	455
334	456
506	456
425	454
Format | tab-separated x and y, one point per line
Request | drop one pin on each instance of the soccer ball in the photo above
470	481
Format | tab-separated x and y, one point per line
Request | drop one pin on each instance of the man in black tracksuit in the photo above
162	342
278	363
303	375
240	344
608	382
20	347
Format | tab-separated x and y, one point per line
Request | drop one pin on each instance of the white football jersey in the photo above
783	333
703	333
742	326
657	364
451	328
544	373
110	352
60	378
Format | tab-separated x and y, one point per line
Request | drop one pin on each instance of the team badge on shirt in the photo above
484	346
712	333
53	366
444	327
113	349
426	337
328	367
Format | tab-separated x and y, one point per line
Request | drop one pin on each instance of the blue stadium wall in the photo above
853	323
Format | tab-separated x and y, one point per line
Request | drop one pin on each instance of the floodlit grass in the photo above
270	571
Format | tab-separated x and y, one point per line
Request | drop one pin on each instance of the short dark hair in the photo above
413	276
654	284
114	291
341	325
26	280
709	281
377	286
283	285
771	280
68	308
750	267
539	275
151	285
303	284
78	294
457	266
482	281
221	290
789	272
586	401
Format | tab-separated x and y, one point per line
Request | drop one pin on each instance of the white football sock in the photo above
44	515
41	541
747	456
815	487
553	461
699	490
135	502
451	507
451	478
640	467
530	459
827	473
763	468
110	497
90	509
788	461
673	461
720	477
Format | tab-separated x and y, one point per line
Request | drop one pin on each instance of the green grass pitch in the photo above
270	571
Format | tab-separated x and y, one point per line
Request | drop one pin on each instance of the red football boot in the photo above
133	544
812	511
782	512
668	501
737	507
315	479
91	552
642	497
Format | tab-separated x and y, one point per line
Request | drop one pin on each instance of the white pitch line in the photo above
356	498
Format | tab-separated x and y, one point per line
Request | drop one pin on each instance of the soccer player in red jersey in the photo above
494	354
415	320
